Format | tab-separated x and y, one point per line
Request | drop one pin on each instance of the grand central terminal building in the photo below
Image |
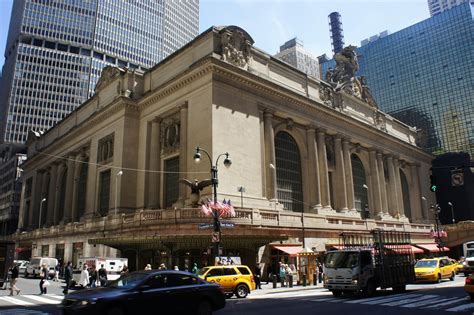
309	160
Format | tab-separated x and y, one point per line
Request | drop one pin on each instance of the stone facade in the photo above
109	171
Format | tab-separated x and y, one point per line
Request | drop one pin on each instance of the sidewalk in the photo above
268	288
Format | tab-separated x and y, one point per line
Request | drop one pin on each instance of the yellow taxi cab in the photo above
434	269
469	286
234	279
460	265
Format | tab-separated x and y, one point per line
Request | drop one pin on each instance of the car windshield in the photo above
202	271
426	263
341	259
470	253
35	261
128	281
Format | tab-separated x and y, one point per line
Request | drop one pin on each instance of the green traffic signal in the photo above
434	188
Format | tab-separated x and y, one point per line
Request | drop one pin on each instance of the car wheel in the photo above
336	293
438	280
241	291
452	277
229	295
204	308
400	289
370	289
115	311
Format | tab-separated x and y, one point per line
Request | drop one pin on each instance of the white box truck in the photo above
112	265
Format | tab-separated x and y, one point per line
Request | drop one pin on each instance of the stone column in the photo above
23	209
52	194
75	187
341	189
417	211
57	189
323	170
398	187
153	189
270	156
314	182
183	149
348	174
393	195
35	199
44	194
69	189
383	188
91	191
375	185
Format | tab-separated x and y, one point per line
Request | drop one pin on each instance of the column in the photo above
398	187
341	192
183	145
270	155
383	188
52	194
23	209
313	169
153	190
69	189
416	192
91	191
393	196
57	197
375	184
348	173
35	199
44	194
323	170
75	187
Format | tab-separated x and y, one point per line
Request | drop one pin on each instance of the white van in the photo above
112	265
34	268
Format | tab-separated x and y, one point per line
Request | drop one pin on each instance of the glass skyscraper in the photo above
423	75
56	50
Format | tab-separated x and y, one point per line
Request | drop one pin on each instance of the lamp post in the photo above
436	210
214	182
452	211
365	215
119	173
40	213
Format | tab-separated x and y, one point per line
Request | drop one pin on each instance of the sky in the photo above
272	22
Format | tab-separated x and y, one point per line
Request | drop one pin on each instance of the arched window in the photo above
405	194
288	171
359	180
81	191
62	196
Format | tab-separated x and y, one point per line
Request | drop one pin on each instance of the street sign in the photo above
457	179
203	226
227	225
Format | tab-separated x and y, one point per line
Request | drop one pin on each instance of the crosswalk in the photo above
30	300
405	300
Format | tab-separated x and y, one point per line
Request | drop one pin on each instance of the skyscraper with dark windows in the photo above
56	50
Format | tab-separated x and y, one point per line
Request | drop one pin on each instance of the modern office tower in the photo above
374	38
422	75
56	50
337	35
293	52
438	6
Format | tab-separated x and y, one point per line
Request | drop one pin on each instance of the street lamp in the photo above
120	173
41	210
214	183
452	211
436	210
365	215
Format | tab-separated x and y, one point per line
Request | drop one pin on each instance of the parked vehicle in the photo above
364	263
234	279
22	264
112	265
434	269
36	263
460	265
468	249
148	292
469	286
7	250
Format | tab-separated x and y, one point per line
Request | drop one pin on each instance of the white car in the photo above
34	267
22	265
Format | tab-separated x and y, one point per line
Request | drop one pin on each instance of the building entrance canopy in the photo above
432	248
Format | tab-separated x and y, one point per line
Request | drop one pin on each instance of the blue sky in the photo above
272	22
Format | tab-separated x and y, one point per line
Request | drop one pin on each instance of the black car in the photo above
148	292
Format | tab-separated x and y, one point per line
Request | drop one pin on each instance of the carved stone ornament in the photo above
105	150
379	121
170	135
108	74
235	46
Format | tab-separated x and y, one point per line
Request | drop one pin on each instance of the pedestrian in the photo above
14	278
288	275
67	277
162	267
102	276
257	275
84	279
124	270
93	277
56	272
44	279
320	272
282	274
195	269
176	268
148	267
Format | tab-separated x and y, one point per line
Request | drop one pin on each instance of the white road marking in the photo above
15	301
422	303
41	299
410	300
461	307
391	299
375	298
448	302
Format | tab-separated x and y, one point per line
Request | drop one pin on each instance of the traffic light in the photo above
434	187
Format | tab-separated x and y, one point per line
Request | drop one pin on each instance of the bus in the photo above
468	249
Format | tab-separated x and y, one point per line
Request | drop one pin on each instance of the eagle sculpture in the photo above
196	186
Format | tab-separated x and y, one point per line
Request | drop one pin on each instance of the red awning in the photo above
432	248
404	249
290	250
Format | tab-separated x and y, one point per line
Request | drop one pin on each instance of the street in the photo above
444	298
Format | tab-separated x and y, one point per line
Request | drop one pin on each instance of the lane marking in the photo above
376	298
16	301
406	301
448	303
422	303
41	299
391	299
461	308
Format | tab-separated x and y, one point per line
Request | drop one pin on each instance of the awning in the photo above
404	249
291	250
432	248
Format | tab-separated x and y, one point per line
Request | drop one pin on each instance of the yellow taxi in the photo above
469	286
434	269
460	265
234	279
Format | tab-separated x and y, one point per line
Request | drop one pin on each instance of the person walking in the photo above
148	267
195	269
257	275
282	274
93	277
320	272
67	277
102	276
44	279
124	271
56	272
14	278
176	268
84	280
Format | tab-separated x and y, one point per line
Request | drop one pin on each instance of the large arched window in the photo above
359	180
81	191
405	194
288	170
62	196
